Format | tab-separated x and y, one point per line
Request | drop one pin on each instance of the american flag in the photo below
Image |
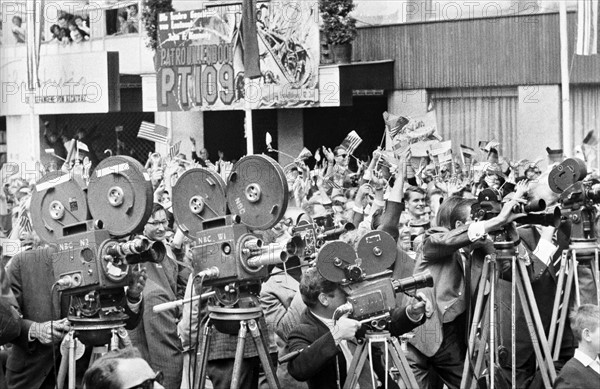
154	132
351	142
174	150
467	154
587	27
24	220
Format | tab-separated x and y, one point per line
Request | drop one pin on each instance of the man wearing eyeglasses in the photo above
114	370
156	336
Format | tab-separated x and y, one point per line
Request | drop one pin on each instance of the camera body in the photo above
86	227
364	276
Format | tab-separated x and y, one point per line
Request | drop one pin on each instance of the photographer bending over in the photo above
328	347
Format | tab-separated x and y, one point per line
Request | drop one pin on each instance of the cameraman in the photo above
32	280
327	347
453	252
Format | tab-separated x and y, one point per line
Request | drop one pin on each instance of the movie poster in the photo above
200	58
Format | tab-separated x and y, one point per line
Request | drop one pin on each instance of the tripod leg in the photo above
263	354
483	341
576	279
564	309
596	274
402	364
239	355
477	314
534	338
557	297
200	378
356	366
72	362
532	307
493	347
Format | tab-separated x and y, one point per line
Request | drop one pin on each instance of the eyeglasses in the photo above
155	223
149	383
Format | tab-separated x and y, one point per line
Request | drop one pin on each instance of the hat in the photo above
555	155
554	152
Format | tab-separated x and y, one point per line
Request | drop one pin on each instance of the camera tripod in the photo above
580	250
72	349
391	348
485	315
227	320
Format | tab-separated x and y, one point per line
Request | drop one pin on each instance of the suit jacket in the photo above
442	258
276	296
10	322
156	336
321	360
31	276
576	376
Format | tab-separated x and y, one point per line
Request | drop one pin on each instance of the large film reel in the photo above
377	250
566	174
257	191
338	262
198	195
120	195
59	200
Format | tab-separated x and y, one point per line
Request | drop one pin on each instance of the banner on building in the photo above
200	58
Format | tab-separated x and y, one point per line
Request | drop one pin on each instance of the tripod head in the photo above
578	199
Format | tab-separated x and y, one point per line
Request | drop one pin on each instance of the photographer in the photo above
453	252
327	347
32	280
156	337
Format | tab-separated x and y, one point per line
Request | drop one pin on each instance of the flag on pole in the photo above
587	27
250	40
154	132
351	142
467	154
174	150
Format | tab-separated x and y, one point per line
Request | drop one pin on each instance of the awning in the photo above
339	82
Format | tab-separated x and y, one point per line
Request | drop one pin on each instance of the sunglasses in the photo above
149	383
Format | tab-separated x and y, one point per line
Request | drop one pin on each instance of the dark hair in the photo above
157	207
312	285
453	209
102	373
18	18
413	189
52	27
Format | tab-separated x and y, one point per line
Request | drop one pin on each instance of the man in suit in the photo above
31	275
326	347
156	336
453	252
10	322
583	370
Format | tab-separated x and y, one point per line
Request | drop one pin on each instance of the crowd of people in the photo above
426	205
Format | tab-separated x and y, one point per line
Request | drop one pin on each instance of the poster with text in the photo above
200	58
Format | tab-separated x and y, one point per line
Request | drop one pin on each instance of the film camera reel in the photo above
364	276
228	251
84	226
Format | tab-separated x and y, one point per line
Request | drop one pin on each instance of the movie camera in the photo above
577	197
364	276
489	205
87	226
229	251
